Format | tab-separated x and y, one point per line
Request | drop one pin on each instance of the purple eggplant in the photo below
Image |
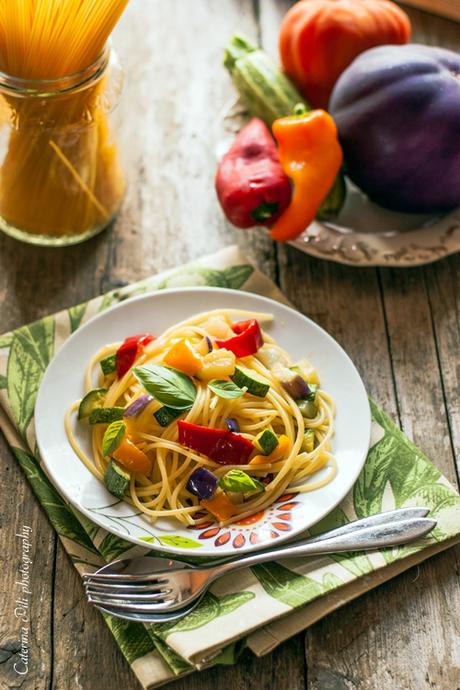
138	406
232	424
202	483
397	110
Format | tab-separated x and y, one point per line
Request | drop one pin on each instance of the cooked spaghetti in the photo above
209	419
60	174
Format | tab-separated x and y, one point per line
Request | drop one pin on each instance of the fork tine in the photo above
139	608
120	577
110	598
122	588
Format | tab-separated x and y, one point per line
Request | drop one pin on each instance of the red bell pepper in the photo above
128	352
224	447
247	341
251	185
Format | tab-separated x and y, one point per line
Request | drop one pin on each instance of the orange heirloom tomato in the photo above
320	38
131	457
182	356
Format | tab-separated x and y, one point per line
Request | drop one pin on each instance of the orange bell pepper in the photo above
281	450
131	457
220	506
311	156
182	356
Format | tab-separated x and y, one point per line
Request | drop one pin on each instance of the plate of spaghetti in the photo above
210	430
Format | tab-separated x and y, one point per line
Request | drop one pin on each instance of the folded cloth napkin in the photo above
259	607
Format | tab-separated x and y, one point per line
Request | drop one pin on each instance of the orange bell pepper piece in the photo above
182	356
310	154
131	457
220	506
281	450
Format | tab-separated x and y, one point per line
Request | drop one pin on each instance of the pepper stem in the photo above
300	109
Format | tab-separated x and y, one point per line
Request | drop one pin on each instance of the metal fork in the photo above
159	586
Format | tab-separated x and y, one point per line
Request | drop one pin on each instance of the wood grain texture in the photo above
402	330
400	327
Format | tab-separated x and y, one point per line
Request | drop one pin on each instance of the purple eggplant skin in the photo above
397	110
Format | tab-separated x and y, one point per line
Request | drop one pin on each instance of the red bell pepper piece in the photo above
128	352
251	185
224	447
247	341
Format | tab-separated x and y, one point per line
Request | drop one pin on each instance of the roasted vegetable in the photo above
250	183
220	506
202	483
247	340
131	457
183	357
320	38
269	94
116	480
224	447
138	406
397	111
266	442
92	401
247	379
128	352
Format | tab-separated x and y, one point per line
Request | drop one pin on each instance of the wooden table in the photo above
401	327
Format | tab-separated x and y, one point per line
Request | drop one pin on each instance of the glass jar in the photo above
60	177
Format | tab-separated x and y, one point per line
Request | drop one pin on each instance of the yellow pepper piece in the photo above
311	156
280	451
220	506
183	357
132	457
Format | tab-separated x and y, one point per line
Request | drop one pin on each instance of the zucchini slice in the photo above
165	415
308	409
246	379
266	441
116	480
308	443
106	415
109	365
92	401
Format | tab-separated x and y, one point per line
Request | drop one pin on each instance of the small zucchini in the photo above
106	415
116	480
266	442
247	379
109	365
92	401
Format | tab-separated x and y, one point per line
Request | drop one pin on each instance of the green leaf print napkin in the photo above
258	607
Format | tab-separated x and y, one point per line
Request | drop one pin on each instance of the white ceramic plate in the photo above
365	234
63	384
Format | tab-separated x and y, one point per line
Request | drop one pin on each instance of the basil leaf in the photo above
113	436
225	389
171	387
239	481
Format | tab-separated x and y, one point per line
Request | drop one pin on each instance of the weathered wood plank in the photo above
443	285
381	322
19	508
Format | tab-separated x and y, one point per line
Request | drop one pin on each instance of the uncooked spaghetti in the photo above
60	174
209	419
